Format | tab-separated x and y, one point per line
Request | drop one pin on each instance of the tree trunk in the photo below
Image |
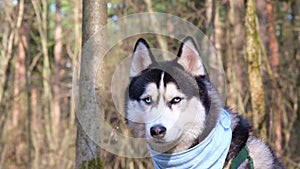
8	36
94	17
36	128
47	94
273	43
58	63
77	45
19	81
229	53
274	57
163	44
41	11
254	69
26	72
211	12
238	41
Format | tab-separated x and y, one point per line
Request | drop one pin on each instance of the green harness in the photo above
241	157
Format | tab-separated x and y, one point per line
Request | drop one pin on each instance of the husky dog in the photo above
175	107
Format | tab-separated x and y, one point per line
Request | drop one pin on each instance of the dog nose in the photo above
158	131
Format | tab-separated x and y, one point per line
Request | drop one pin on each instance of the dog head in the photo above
168	102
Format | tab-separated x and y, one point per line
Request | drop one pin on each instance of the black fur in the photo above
240	135
193	86
138	83
203	93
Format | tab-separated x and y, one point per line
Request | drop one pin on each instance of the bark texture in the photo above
253	57
94	17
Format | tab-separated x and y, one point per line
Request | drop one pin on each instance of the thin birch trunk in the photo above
238	41
274	57
41	11
19	81
161	41
58	73
253	57
10	30
77	44
36	128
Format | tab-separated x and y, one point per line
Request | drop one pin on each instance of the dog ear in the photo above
189	58
142	57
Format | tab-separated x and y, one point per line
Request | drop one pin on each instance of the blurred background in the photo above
41	44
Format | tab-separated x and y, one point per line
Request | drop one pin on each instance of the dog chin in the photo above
161	145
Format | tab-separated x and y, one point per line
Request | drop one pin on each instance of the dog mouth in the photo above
161	145
160	141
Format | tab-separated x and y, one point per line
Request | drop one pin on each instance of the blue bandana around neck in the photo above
210	153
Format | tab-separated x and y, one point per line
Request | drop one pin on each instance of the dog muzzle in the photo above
210	153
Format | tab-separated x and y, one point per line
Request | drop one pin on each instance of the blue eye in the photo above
175	100
147	100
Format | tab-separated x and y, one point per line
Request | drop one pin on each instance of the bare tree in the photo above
274	60
19	66
253	57
9	32
41	11
94	17
77	45
161	41
58	69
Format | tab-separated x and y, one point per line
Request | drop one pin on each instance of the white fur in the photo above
260	153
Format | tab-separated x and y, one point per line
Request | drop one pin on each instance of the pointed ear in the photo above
189	58
142	57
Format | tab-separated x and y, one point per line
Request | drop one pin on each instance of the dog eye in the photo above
147	100
175	100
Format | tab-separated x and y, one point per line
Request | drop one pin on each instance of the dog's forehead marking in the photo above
161	89
161	83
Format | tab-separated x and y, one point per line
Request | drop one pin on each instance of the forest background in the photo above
41	43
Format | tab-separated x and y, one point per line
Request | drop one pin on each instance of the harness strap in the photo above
241	157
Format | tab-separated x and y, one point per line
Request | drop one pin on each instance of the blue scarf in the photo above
210	153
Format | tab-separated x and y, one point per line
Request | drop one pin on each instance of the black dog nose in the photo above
158	131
